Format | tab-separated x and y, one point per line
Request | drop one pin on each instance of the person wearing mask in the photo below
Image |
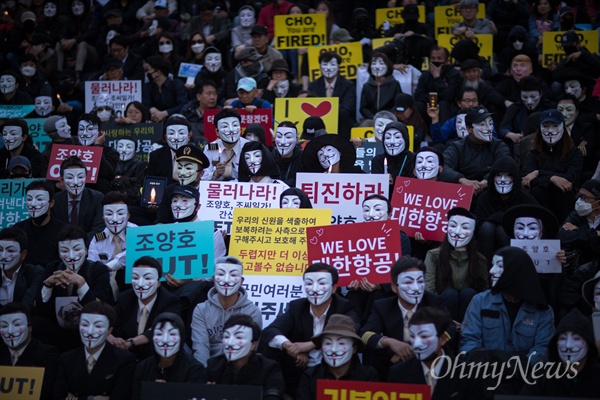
241	34
380	91
10	93
205	99
248	66
17	142
294	198
162	95
287	153
257	164
132	64
213	70
330	153
397	159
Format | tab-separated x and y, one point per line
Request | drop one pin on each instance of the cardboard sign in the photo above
365	154
542	252
380	42
12	201
352	58
347	390
263	116
553	52
485	41
447	16
144	135
187	70
273	241
185	250
297	110
121	93
197	391
218	199
37	133
300	30
15	111
343	193
21	383
367	251
394	16
421	205
90	155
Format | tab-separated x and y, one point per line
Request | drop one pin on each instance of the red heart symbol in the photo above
319	111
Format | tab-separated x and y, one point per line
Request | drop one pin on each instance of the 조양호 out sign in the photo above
368	250
300	30
350	390
90	155
185	250
263	116
21	383
351	54
273	241
343	193
37	134
421	205
552	49
12	201
447	16
143	136
121	93
542	252
272	293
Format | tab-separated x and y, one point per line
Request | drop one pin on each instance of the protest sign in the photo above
12	201
21	383
272	293
365	154
351	54
218	199
394	16
300	30
347	390
485	42
542	252
143	135
367	251
380	42
35	127
447	16
552	49
196	391
343	193
185	250
90	155
362	133
263	116
297	110
121	93
421	205
273	241
15	111
187	70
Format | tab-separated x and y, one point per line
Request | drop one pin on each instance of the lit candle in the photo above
385	170
153	196
215	162
329	169
59	99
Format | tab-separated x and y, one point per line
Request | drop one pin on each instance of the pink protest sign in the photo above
263	116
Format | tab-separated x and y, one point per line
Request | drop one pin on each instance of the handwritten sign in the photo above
143	135
365	154
346	390
121	93
263	116
185	250
15	111
12	201
447	16
552	49
21	383
351	54
37	133
300	30
485	41
90	155
542	252
421	205
394	16
297	110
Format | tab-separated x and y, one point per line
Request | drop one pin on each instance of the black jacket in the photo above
550	164
90	210
289	167
375	98
466	158
28	285
170	98
39	163
583	239
446	86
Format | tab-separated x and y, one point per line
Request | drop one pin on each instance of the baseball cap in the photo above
341	35
553	116
259	30
246	84
161	4
403	101
569	38
477	114
187	191
28	16
565	10
19	161
248	53
310	127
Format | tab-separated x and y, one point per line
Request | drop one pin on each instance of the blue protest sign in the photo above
15	111
37	133
12	201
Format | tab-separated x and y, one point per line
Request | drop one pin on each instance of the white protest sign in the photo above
121	93
542	252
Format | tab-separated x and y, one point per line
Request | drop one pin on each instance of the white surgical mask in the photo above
228	278
531	99
116	217
328	156
177	136
126	149
50	10
285	140
14	329
330	69
144	281
237	342
63	128
503	183
182	206
37	202
574	88
461	127
187	172
460	230
424	340
411	286
597	296
337	350
281	88
72	253
572	347
551	132
290	201
378	67
28	70
87	133
104	115
212	62
10	254
43	105
375	210
427	165
318	287
527	228
497	269
583	208
167	339
198	48
253	160
483	130
93	330
247	18
74	179
393	142
8	84
229	129
379	126
166	48
12	137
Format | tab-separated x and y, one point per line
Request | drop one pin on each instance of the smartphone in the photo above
433	100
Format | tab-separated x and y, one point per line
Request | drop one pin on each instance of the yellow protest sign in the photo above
300	30
446	16
552	50
273	241
352	58
298	109
22	383
394	16
380	42
485	41
367	132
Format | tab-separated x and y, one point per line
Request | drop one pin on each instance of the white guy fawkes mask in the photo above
518	45
72	253
375	210
483	130
285	140
14	329
213	62
93	330
182	206
597	296
461	127
228	278
318	287
49	10
187	172
424	340
229	129
573	87
569	112
167	339
12	136
337	350
247	18
427	165
8	84
411	286
290	201
531	99
253	160
10	254
126	149
503	183
78	8
393	142
177	136
237	342
281	88
63	128
379	126
116	217
330	69
497	269
551	132
43	105
87	133
378	67
144	281
572	347
328	156
527	228
37	202
74	179
460	230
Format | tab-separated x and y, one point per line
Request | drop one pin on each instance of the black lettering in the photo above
187	263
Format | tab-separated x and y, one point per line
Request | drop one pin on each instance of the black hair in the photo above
288	124
176	119
101	308
205	5
531	83
404	263
71	162
432	150
322	267
141	108
93	118
17	234
380	197
120	40
72	232
431	315
463	90
569	97
244	320
14	307
258	130
226	113
327	56
389	64
42	185
148	262
205	82
114	197
21	123
438	48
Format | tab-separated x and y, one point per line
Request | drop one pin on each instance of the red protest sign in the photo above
369	250
90	155
347	390
421	205
263	116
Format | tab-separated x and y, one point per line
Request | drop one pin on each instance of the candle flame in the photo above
153	196
385	162
329	169
220	151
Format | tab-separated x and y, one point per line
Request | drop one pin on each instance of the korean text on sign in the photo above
143	135
263	116
272	293
542	253
365	154
300	30
37	134
90	155
121	93
12	201
357	390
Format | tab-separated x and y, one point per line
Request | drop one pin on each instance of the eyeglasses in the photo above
104	109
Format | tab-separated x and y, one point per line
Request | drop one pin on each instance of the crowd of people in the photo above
492	124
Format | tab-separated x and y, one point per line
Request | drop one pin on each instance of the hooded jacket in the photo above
268	167
509	52
399	165
289	167
376	97
467	158
304	200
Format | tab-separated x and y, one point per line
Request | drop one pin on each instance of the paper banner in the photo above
542	252
365	154
447	16
21	383
350	390
485	42
297	110
553	52
37	133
